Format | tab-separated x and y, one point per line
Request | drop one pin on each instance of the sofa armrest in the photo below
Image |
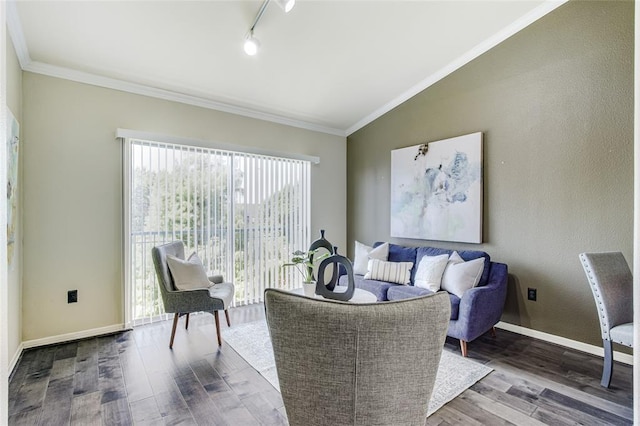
184	301
481	307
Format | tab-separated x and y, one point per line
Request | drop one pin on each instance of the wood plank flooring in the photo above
134	378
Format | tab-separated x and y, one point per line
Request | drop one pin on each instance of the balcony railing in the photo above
251	260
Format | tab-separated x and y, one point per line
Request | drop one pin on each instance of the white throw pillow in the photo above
460	276
188	274
393	272
430	270
363	253
455	258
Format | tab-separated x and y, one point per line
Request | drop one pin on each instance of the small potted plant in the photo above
303	262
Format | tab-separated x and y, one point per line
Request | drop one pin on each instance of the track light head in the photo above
286	5
251	45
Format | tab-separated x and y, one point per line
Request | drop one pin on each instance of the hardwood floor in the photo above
134	378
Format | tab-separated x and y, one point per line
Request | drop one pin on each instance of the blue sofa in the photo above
479	309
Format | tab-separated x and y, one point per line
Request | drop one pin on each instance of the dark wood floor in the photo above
133	378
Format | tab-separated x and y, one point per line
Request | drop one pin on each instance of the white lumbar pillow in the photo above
188	274
393	272
364	252
430	270
460	276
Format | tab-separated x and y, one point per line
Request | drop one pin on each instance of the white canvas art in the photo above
13	139
436	190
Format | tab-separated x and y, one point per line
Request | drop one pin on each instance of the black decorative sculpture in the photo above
318	244
326	290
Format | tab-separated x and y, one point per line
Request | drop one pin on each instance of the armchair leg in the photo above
173	330
607	368
186	326
226	314
215	315
493	332
463	348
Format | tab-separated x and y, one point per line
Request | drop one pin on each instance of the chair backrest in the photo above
159	254
612	286
358	364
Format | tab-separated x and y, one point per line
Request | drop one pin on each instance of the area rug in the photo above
455	373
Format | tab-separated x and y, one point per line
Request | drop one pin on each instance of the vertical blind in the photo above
243	214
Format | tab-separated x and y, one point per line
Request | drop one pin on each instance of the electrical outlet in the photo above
532	294
72	296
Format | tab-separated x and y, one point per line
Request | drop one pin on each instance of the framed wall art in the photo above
436	190
13	138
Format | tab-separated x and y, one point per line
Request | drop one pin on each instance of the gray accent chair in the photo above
218	297
340	363
612	286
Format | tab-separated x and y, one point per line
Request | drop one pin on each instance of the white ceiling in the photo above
331	66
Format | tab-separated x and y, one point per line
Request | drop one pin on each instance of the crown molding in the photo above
17	35
481	48
168	95
27	64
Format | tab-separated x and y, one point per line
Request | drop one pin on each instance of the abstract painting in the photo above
13	139
436	190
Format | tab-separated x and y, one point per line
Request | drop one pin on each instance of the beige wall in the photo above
72	192
14	103
555	103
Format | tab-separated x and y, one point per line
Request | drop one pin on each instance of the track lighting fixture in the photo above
286	5
251	43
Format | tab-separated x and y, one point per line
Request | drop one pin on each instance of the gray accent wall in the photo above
555	104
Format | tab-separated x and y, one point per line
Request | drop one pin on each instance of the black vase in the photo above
320	243
326	291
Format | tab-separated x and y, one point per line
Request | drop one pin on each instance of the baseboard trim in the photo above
15	359
563	341
551	338
61	338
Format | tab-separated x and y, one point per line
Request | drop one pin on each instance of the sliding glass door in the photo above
244	214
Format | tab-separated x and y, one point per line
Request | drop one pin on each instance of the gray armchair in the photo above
612	286
216	298
356	364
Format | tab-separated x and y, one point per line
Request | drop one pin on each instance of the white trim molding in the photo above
15	359
563	341
458	63
14	27
178	140
61	338
17	36
169	95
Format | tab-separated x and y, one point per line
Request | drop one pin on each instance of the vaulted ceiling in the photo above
330	66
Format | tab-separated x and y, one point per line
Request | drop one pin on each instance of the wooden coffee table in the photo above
359	295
